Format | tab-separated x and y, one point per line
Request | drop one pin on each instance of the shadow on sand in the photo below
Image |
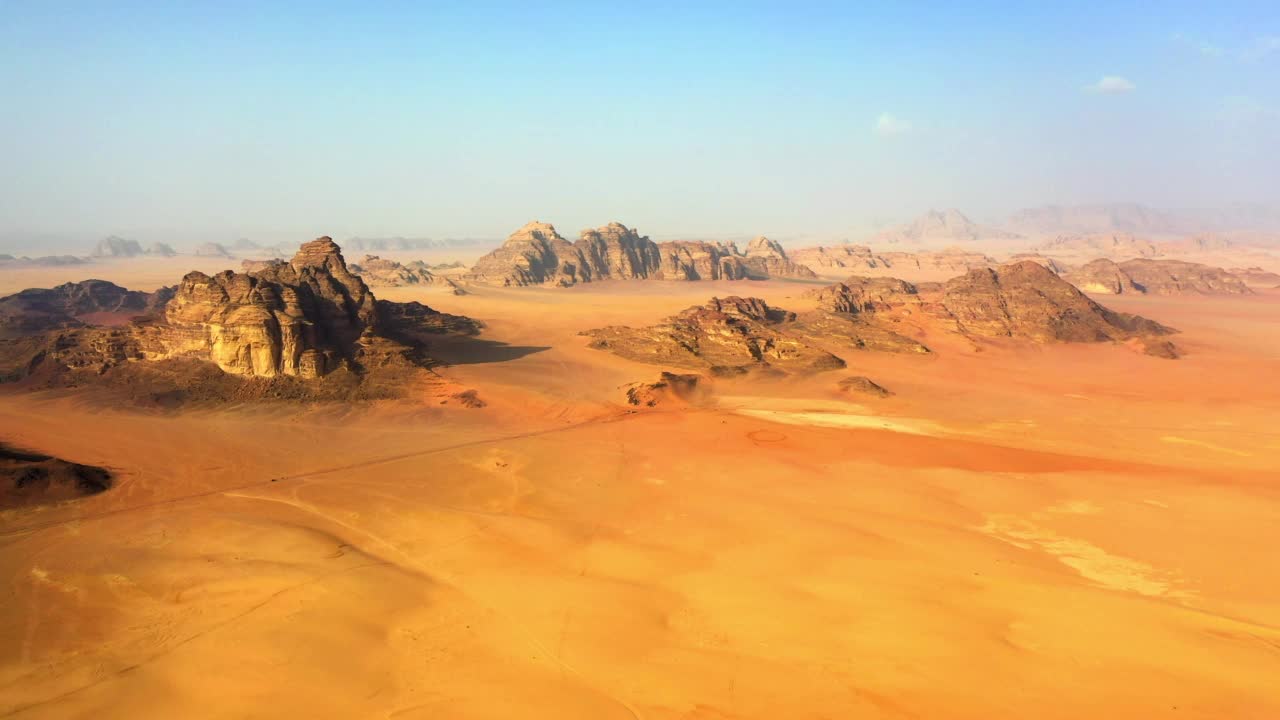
462	350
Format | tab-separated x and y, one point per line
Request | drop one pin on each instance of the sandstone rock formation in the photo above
860	385
668	389
1158	277
113	246
1114	246
298	318
160	249
839	258
211	249
862	313
537	255
28	479
1026	300
766	259
860	259
377	272
1256	277
727	336
949	226
75	305
304	319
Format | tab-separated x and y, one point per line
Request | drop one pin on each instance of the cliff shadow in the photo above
466	350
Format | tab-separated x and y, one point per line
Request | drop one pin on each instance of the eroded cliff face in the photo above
537	255
1158	277
301	318
768	259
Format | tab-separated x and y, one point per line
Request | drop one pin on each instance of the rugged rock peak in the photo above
701	260
839	257
76	304
533	255
864	294
378	272
1158	277
160	249
1177	277
1101	276
302	318
727	336
113	246
1027	300
616	251
766	259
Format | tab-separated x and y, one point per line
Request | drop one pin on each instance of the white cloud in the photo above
1111	85
887	125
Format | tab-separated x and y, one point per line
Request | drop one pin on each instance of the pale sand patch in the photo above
819	413
1092	562
1174	439
1075	507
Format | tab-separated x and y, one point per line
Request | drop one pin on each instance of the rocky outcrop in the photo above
860	385
1026	300
1176	277
1101	276
304	329
299	318
113	246
727	336
947	226
669	389
160	249
767	259
378	272
948	260
212	249
75	305
28	479
537	255
1256	277
839	258
860	294
1157	277
1114	246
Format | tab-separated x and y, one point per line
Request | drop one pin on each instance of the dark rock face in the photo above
28	479
300	318
670	388
304	319
860	385
113	246
767	259
1157	277
38	309
378	272
1026	300
726	336
537	255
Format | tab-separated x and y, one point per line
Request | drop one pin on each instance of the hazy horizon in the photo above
180	125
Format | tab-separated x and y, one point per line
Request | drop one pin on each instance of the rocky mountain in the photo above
28	479
841	259
1256	277
1157	277
160	249
727	336
948	226
113	246
378	272
211	249
1026	300
767	259
308	318
1105	219
537	255
1115	246
43	261
75	305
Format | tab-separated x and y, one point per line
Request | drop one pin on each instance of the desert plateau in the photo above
610	361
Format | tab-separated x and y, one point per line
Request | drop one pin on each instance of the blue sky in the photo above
286	120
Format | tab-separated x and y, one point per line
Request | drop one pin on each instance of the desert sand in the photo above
1059	531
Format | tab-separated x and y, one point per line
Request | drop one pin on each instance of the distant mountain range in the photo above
1141	220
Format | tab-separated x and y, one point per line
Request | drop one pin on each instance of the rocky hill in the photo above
1256	277
1115	246
113	246
839	259
727	336
28	478
948	226
1157	277
1026	300
306	319
377	272
538	255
